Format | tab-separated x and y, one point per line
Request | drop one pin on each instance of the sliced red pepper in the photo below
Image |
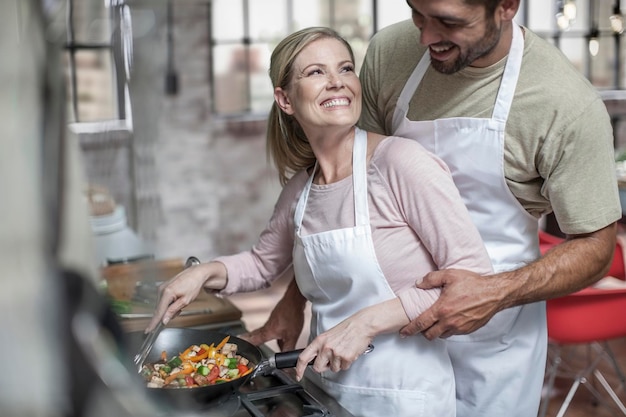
242	369
201	354
215	372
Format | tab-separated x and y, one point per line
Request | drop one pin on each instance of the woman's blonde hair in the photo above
287	145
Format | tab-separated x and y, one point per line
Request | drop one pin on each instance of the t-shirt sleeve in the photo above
271	256
372	119
578	166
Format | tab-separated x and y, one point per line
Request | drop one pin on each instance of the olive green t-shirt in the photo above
558	152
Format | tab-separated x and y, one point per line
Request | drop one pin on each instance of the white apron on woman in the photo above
338	272
499	368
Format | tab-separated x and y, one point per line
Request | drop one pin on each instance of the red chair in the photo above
617	270
588	317
592	317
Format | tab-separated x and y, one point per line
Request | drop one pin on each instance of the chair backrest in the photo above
588	315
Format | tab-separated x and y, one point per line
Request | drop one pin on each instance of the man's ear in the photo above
280	96
507	9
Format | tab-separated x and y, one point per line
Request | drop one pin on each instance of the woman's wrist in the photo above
386	317
216	276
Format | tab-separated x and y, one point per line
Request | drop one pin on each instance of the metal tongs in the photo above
284	360
148	342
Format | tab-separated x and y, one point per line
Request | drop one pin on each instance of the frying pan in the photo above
176	340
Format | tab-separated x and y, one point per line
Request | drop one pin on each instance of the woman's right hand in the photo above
178	292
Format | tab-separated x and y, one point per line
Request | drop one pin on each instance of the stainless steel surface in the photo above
146	346
150	315
191	261
148	342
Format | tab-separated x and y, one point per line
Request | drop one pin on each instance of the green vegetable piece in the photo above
166	368
145	372
175	361
203	370
232	373
231	363
120	306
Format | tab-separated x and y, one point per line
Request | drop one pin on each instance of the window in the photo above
97	40
582	30
244	33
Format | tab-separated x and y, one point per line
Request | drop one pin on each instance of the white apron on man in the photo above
499	368
338	272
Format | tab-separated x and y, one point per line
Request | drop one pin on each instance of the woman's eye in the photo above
347	68
315	72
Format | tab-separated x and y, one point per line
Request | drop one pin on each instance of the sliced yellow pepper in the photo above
211	352
187	369
222	343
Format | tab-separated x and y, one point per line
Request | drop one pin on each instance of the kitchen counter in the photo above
136	283
206	311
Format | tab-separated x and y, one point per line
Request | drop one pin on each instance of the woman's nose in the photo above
334	80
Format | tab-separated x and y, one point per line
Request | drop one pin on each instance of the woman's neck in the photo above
333	150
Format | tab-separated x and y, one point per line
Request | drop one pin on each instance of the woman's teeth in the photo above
336	102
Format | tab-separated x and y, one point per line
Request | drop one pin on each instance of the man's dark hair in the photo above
490	5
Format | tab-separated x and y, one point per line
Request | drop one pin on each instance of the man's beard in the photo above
474	52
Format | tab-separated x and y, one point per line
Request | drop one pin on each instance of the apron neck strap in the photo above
359	182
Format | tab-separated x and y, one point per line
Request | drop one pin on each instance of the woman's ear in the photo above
280	96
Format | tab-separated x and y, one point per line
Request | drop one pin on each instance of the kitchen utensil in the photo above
283	360
148	342
176	340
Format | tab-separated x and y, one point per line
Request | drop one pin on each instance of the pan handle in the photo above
289	359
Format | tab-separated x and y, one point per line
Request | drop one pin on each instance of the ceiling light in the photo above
594	43
569	10
562	22
617	22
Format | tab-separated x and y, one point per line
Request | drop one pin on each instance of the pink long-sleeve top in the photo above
419	224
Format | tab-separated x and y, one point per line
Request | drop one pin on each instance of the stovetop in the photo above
276	395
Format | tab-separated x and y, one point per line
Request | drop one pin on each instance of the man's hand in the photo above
285	322
467	302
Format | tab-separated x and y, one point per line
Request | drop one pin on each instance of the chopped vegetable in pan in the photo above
197	366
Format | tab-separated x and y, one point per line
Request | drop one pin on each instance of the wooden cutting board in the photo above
212	310
122	281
